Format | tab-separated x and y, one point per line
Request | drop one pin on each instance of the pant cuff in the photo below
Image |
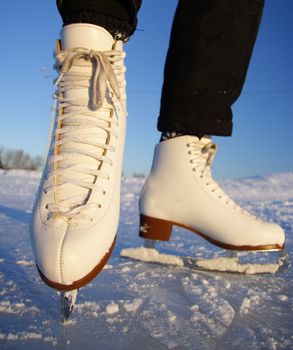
216	127
119	29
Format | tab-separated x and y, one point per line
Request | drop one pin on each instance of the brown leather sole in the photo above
158	229
83	281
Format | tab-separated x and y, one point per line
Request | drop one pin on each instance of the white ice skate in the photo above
180	191
76	212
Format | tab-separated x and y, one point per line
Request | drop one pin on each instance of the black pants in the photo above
209	52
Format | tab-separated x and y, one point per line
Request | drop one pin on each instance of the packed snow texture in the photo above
224	264
136	305
151	255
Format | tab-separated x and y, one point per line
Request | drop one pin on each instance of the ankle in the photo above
167	135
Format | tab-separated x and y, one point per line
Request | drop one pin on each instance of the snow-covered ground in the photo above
133	305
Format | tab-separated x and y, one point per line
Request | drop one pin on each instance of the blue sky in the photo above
262	140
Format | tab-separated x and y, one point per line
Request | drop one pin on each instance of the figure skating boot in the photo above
180	191
76	212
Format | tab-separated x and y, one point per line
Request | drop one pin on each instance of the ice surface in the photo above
134	305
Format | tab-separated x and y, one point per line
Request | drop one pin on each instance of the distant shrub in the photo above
18	159
139	175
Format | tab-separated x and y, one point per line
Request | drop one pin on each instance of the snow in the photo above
233	265
132	304
25	263
224	264
21	336
151	255
112	308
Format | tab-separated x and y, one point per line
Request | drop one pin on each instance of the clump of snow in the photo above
70	322
125	269
87	306
151	255
25	262
233	265
112	308
20	336
108	267
132	307
16	308
194	308
51	339
223	264
249	303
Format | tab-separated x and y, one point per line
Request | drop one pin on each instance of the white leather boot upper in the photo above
180	189
76	212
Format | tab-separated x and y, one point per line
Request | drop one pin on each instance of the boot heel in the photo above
151	228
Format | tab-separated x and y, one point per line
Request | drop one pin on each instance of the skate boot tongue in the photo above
86	35
83	135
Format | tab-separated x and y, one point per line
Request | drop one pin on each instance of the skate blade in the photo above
229	264
67	302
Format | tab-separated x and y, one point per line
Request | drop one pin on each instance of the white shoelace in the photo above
203	158
85	127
